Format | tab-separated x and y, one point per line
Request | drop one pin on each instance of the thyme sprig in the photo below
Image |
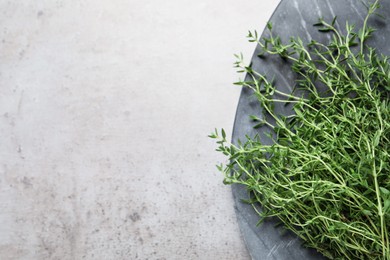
327	174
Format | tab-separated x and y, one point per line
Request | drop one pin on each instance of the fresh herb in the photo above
327	174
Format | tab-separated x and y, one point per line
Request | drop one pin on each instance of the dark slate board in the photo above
292	18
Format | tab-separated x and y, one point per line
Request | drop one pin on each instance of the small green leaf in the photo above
212	135
324	29
384	191
254	118
367	212
386	206
377	137
334	20
223	133
319	23
259	125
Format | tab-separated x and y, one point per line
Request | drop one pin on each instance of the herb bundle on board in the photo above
327	174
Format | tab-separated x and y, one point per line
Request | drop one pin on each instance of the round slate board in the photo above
292	18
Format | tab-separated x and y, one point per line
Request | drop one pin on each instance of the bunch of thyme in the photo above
327	174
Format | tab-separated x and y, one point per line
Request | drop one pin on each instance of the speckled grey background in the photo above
104	111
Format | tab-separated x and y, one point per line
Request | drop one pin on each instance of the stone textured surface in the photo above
104	111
